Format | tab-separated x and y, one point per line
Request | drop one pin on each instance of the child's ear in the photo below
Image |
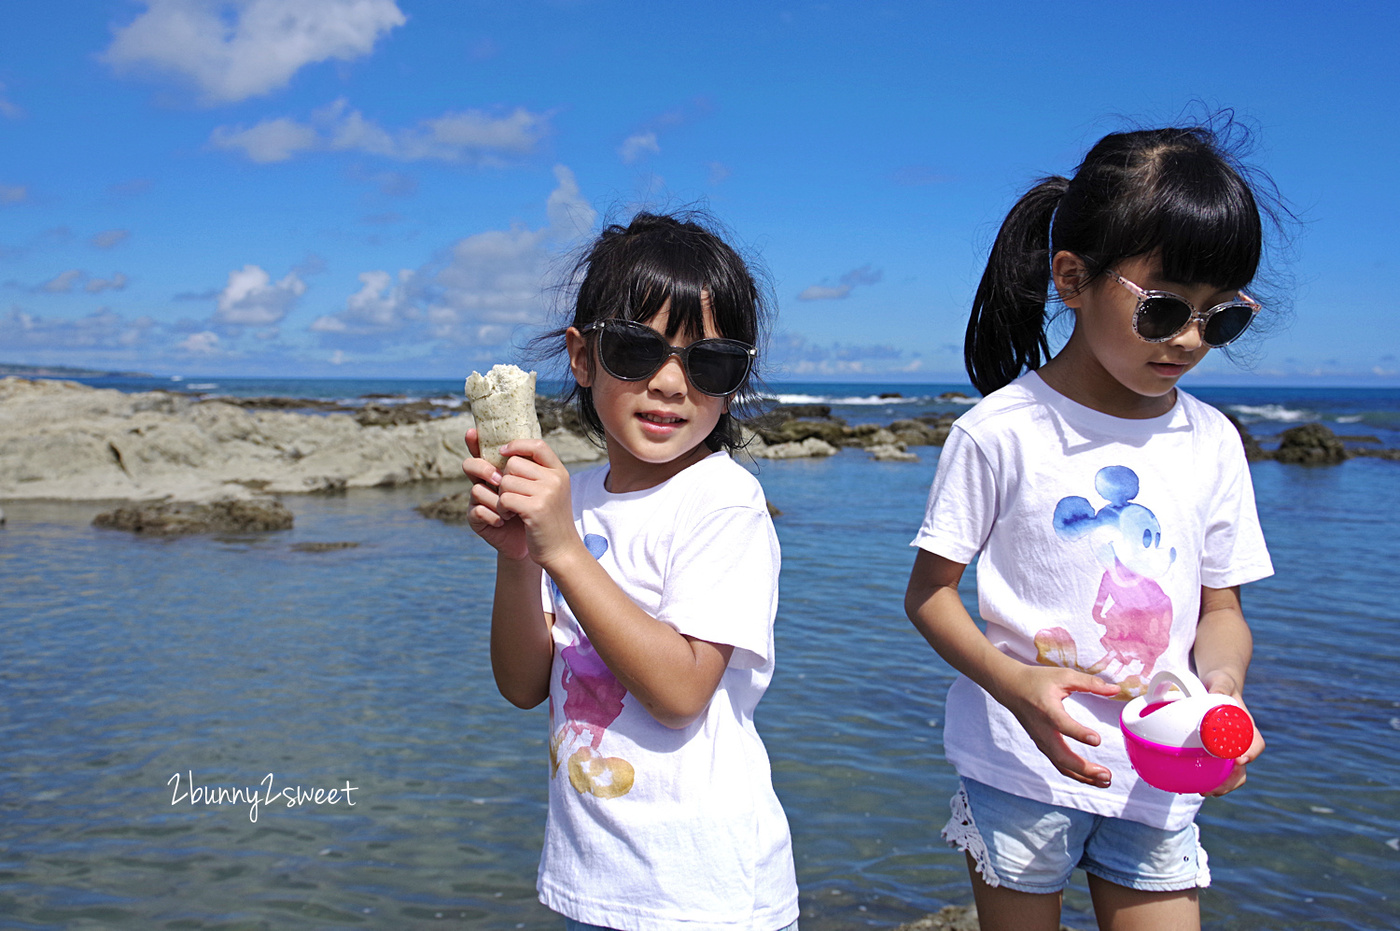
1070	275
580	359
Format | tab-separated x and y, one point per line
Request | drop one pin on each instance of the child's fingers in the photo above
480	471
1083	682
1072	764
536	450
474	443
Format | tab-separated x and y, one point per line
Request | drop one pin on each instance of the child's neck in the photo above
627	473
1083	381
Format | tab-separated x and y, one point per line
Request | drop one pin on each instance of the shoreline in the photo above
62	440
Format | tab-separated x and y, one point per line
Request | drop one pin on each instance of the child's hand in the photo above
528	502
487	517
1222	683
1036	697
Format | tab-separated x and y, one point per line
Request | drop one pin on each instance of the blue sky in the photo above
385	187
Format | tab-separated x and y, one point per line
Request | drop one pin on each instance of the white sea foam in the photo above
1276	412
206	386
849	400
798	398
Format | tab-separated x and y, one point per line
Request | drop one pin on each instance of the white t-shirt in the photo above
1096	534
652	828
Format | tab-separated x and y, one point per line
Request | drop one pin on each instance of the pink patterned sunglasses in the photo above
1162	315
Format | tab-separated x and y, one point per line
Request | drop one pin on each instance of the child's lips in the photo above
657	420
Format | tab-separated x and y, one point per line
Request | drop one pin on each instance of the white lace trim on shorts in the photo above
961	831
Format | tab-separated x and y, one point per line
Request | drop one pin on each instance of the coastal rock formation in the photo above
230	515
812	447
452	509
785	426
891	452
1310	444
65	440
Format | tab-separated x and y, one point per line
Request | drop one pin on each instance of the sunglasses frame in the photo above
750	352
1144	295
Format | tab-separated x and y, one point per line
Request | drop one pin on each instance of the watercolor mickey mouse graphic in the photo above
593	700
1134	611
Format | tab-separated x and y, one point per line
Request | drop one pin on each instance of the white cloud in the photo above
252	299
854	278
791	354
235	49
269	141
205	343
469	136
634	147
67	281
482	287
62	283
97	285
110	239
378	305
102	330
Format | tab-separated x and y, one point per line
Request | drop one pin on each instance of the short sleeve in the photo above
1234	551
962	504
722	582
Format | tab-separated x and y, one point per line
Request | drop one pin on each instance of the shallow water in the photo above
128	661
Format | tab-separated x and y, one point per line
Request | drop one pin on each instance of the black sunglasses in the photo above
1161	315
633	351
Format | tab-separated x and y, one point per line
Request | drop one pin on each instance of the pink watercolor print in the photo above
594	696
1133	610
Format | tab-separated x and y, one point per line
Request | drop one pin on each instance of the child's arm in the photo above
1034	694
673	676
522	649
1222	652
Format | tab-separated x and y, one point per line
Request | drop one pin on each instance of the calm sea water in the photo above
135	667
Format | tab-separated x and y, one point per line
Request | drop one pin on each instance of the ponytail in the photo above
1006	332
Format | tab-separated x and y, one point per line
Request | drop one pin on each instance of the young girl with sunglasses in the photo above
1115	522
638	598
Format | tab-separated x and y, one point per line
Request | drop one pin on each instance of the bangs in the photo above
1201	221
682	269
1208	226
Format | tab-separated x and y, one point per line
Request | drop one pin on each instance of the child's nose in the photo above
670	378
1190	338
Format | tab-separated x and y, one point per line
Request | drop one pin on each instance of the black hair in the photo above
630	272
1175	192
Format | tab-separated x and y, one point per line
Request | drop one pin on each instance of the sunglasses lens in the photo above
630	351
1161	318
1226	325
717	367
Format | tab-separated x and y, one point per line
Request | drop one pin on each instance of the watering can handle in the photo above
1162	683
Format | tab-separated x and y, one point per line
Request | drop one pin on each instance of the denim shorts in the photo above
1032	846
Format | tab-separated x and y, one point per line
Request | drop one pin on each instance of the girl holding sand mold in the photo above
1115	521
638	598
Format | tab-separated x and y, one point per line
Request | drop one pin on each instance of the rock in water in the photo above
233	515
452	509
1310	444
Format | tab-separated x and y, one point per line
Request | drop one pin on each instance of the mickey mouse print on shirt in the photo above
593	700
1125	538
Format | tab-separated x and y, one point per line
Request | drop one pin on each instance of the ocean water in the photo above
141	676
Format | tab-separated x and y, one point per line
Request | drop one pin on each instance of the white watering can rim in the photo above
1177	723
